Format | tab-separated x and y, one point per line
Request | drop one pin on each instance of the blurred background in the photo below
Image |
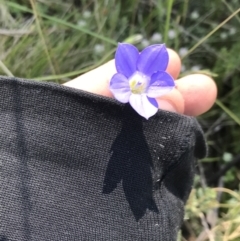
57	40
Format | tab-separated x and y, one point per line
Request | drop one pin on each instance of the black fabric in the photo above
77	166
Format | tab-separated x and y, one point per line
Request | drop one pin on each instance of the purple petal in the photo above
143	105
152	59
153	102
119	86
126	59
161	83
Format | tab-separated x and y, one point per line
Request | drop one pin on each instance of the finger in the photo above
97	80
199	93
174	65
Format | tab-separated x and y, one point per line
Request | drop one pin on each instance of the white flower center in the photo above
138	83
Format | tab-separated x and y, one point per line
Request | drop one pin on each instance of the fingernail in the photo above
166	105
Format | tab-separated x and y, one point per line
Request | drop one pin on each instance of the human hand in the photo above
194	94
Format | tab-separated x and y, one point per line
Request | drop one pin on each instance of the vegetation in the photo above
57	40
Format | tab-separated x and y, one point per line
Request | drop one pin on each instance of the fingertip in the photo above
199	93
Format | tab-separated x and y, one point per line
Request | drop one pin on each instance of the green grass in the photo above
56	41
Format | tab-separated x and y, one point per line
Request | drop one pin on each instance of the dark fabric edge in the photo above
73	92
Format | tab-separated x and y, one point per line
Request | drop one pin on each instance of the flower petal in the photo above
161	83
143	105
126	59
119	86
152	59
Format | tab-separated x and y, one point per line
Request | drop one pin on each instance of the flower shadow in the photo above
131	164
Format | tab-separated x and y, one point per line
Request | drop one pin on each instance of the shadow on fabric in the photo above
21	149
131	164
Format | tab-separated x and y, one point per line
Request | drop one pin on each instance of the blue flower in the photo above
141	77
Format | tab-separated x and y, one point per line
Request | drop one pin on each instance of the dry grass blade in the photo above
211	33
33	4
5	69
228	111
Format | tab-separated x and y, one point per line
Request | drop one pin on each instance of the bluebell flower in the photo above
141	77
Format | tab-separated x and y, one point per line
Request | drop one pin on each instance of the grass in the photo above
59	40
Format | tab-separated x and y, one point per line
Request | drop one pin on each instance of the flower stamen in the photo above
138	83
